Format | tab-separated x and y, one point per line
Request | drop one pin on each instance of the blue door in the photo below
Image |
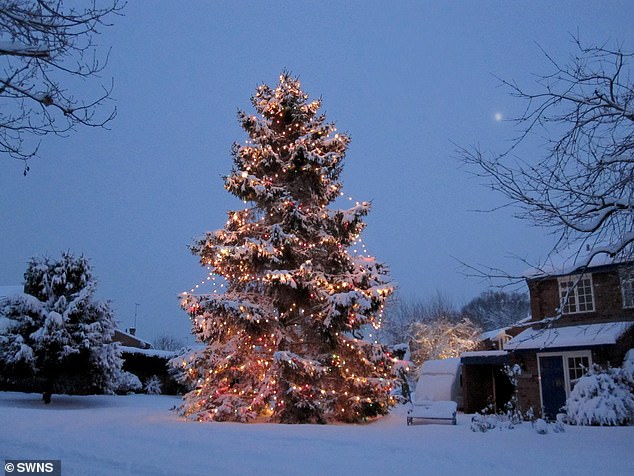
551	371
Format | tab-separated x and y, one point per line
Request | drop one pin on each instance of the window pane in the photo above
585	295
567	296
576	294
627	288
577	367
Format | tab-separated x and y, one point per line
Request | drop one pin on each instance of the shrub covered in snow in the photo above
543	427
153	386
505	418
128	383
56	335
602	397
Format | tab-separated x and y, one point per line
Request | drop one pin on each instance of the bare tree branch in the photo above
582	186
45	45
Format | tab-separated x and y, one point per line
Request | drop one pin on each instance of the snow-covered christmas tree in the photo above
284	342
55	334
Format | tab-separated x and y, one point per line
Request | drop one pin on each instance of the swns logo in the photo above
23	467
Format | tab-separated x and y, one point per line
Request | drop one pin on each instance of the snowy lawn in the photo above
139	435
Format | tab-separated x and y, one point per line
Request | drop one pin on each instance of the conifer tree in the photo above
56	336
284	341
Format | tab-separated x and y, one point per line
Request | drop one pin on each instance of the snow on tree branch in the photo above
284	341
44	46
580	183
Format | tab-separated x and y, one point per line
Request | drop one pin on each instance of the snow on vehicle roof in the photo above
443	366
571	336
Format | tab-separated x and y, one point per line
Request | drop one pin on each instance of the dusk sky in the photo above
407	81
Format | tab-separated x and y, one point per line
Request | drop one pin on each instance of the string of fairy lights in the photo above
244	367
214	283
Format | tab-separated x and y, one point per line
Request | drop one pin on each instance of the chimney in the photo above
132	331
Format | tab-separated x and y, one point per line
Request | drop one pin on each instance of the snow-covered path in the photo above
138	435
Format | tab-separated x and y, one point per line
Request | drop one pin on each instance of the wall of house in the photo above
613	354
528	382
608	302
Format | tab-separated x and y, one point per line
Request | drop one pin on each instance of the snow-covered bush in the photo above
483	422
486	420
56	335
153	386
543	427
601	397
540	426
512	408
128	383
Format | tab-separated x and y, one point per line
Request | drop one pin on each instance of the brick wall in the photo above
608	302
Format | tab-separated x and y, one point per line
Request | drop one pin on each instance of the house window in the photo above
627	287
577	368
575	293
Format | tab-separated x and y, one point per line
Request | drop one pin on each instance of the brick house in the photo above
580	316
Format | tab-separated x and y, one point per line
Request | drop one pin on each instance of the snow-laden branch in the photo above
44	44
580	184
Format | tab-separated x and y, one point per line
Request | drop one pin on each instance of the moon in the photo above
498	116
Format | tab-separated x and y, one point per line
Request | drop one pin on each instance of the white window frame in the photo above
564	356
626	278
571	293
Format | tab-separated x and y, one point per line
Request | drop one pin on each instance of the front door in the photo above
553	384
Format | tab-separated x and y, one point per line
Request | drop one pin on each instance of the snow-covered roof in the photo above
494	334
166	354
570	262
571	336
130	340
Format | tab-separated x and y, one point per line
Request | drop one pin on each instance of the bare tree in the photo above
167	342
582	187
397	320
494	309
401	313
45	47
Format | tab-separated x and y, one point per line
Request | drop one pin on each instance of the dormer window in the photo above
575	293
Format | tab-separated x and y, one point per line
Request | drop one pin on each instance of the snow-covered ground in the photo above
139	435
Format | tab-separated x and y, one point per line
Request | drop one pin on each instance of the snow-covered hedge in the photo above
603	396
